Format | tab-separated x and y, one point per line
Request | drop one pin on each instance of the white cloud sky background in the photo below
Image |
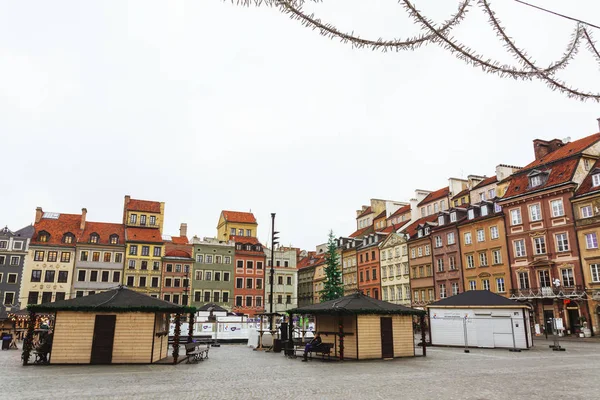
209	106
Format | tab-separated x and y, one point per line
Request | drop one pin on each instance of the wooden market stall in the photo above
361	328
118	326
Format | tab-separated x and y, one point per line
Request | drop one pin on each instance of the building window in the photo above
450	238
239	283
249	264
470	261
208	276
145	250
144	265
169	267
471	213
63	276
116	276
32	298
454	288
49	276
440	265
167	297
540	245
586	211
486	284
232	231
107	257
472	285
142	281
9	298
497	257
515	217
427	250
494	232
259	265
240	232
557	208
94	238
596	180
535	181
544	277
591	240
43	237
105	276
95	256
133	218
36	275
68	238
567	277
93	276
595	270
79	293
248	299
52	256
199	258
81	275
500	285
130	281
453	217
413	253
480	235
238	301
438	241
374	274
38	256
131	264
483	210
535	213
468	239
225	276
133	250
523	280
562	242
114	239
519	248
156	266
83	256
176	282
483	262
452	263
227	260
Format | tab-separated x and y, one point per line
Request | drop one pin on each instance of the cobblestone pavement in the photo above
235	371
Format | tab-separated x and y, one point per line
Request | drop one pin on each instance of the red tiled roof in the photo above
178	253
587	184
486	181
65	223
381	215
244	239
400	211
411	230
311	260
179	239
362	231
567	150
367	210
560	172
105	230
240	217
143	205
433	196
145	235
461	194
388	229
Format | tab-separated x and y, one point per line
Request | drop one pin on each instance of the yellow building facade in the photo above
235	223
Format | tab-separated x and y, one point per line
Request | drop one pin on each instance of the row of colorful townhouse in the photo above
530	234
62	256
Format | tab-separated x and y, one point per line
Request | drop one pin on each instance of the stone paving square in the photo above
237	372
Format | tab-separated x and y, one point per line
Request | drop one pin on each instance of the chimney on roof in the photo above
38	214
83	215
183	229
127	198
542	148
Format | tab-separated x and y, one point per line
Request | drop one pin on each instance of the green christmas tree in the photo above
333	288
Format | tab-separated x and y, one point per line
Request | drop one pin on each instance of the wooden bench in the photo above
195	353
197	338
324	349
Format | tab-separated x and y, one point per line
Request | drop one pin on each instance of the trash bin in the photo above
6	339
277	345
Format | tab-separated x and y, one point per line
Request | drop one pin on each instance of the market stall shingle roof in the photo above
121	299
356	303
476	298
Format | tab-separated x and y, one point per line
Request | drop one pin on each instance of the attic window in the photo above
441	220
596	180
484	211
114	239
471	213
94	238
535	181
453	216
497	208
68	237
420	233
43	236
427	230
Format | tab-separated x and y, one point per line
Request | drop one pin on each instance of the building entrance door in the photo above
573	320
104	335
548	315
387	338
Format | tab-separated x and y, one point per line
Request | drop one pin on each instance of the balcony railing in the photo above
548	292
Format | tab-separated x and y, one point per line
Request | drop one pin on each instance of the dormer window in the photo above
497	208
453	216
596	179
420	233
114	239
68	238
258	248
44	237
248	247
427	230
441	220
536	178
94	238
484	211
471	213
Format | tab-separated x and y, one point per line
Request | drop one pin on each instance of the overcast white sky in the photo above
209	106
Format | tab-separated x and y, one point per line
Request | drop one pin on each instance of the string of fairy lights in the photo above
440	34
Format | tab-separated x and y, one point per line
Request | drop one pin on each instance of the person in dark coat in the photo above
316	342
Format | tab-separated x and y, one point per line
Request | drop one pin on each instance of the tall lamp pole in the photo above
272	271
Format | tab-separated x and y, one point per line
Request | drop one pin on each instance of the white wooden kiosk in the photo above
480	318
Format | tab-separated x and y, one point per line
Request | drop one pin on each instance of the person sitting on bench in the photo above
316	342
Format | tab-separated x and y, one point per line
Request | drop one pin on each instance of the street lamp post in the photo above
272	270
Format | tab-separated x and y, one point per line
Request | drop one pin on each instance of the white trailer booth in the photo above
480	318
